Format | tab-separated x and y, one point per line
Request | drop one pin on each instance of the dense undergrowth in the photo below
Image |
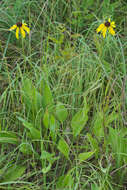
63	102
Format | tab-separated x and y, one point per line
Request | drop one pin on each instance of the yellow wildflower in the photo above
20	27
108	25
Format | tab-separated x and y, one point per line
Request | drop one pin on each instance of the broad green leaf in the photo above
46	119
114	138
14	173
95	187
9	137
27	93
118	145
51	123
93	143
65	181
30	96
98	126
35	133
63	148
46	155
78	121
38	101
53	127
68	180
84	156
61	112
45	159
47	94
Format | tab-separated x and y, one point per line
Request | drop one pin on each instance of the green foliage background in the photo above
63	98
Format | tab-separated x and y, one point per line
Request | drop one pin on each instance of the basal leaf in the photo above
85	155
35	133
63	148
78	121
47	94
46	119
14	173
61	112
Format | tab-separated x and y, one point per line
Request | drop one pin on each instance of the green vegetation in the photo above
63	123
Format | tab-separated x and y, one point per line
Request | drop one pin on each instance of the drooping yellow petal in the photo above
109	20
26	28
113	24
100	28
13	27
111	31
104	32
17	32
22	32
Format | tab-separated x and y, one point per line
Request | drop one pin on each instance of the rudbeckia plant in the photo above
22	27
108	25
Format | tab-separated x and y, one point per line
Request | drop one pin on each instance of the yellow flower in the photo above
20	27
108	25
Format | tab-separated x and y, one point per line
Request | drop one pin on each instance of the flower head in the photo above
108	25
19	26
